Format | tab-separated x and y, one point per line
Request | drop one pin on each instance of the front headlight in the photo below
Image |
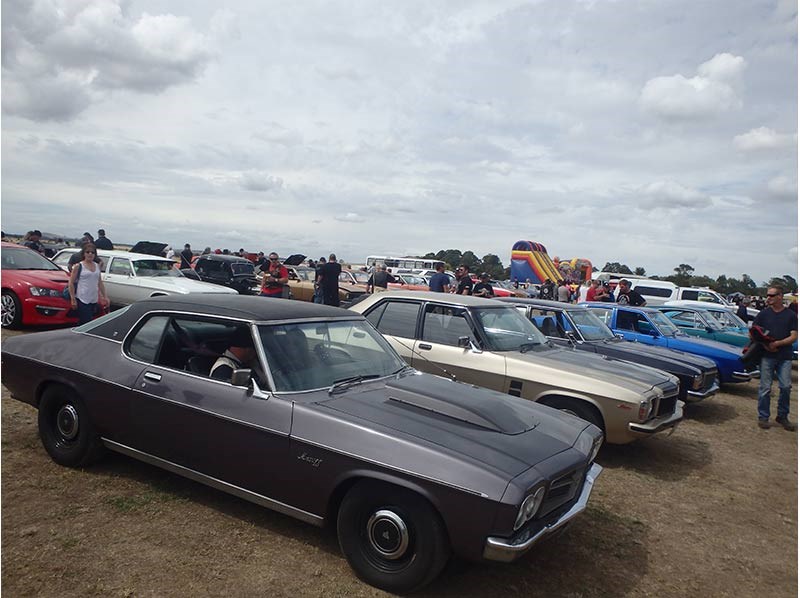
42	292
529	507
697	382
589	445
645	407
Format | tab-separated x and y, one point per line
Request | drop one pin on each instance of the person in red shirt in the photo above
276	277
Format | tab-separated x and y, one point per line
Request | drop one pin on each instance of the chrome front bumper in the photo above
741	377
693	396
658	424
510	549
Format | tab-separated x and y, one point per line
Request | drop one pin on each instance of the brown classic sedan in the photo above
322	421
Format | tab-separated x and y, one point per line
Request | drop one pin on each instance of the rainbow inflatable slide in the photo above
529	261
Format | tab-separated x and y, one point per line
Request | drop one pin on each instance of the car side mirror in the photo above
619	335
463	342
709	329
242	377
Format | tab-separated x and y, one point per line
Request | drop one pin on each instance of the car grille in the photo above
709	379
562	490
666	405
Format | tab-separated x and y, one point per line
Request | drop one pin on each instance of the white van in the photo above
658	292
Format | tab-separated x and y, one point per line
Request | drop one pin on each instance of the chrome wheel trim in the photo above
388	534
67	422
9	310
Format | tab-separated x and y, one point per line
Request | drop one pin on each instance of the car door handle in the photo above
152	377
425	346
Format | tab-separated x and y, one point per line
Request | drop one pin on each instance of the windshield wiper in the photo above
525	347
345	383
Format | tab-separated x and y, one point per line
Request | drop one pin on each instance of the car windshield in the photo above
156	268
590	326
664	324
313	355
728	319
361	277
413	279
25	259
242	268
507	330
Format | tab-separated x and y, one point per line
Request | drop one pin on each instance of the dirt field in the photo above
708	511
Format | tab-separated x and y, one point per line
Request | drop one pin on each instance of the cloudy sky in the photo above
651	133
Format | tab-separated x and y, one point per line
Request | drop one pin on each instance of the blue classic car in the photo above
651	327
700	323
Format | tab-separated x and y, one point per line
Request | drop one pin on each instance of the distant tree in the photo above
684	270
492	264
617	268
471	260
748	283
639	271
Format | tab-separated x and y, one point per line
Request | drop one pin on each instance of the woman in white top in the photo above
86	288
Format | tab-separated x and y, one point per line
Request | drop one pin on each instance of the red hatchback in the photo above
33	288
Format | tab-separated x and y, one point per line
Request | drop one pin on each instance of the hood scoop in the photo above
477	406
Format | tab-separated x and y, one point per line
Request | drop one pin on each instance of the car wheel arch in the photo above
346	482
561	402
44	385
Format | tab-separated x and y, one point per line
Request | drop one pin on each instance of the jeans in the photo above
86	311
769	367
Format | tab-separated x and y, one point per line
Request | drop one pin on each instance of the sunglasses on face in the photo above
89	251
273	259
773	295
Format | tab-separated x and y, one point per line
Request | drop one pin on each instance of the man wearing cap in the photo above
626	296
484	287
276	277
103	242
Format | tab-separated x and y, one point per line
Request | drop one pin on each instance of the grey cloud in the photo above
58	55
260	181
670	195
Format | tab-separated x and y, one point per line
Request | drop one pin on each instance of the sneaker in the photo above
787	425
763	424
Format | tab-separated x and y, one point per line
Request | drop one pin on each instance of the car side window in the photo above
444	325
549	322
120	265
626	320
604	315
194	345
396	318
689	295
146	341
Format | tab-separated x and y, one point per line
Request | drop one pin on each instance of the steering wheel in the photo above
332	355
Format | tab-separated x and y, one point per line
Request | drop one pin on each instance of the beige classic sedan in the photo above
490	344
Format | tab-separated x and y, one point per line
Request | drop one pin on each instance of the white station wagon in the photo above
129	277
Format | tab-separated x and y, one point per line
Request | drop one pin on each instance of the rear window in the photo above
652	291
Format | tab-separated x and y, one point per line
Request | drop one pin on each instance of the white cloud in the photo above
670	195
763	138
350	217
713	90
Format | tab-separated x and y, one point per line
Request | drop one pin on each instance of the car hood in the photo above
712	347
149	248
660	352
183	285
39	278
504	432
599	367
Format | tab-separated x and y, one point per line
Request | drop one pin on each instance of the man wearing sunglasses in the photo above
780	324
276	277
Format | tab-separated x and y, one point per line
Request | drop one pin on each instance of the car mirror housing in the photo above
463	342
241	377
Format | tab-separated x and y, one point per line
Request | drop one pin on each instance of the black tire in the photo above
66	430
11	310
577	408
392	537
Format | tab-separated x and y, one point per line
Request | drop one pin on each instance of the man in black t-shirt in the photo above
625	296
780	324
464	281
186	257
329	281
484	287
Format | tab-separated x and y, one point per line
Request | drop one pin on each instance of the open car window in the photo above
444	325
506	329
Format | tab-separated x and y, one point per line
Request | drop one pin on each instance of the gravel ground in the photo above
708	511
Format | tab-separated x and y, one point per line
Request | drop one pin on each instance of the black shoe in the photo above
763	424
787	425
